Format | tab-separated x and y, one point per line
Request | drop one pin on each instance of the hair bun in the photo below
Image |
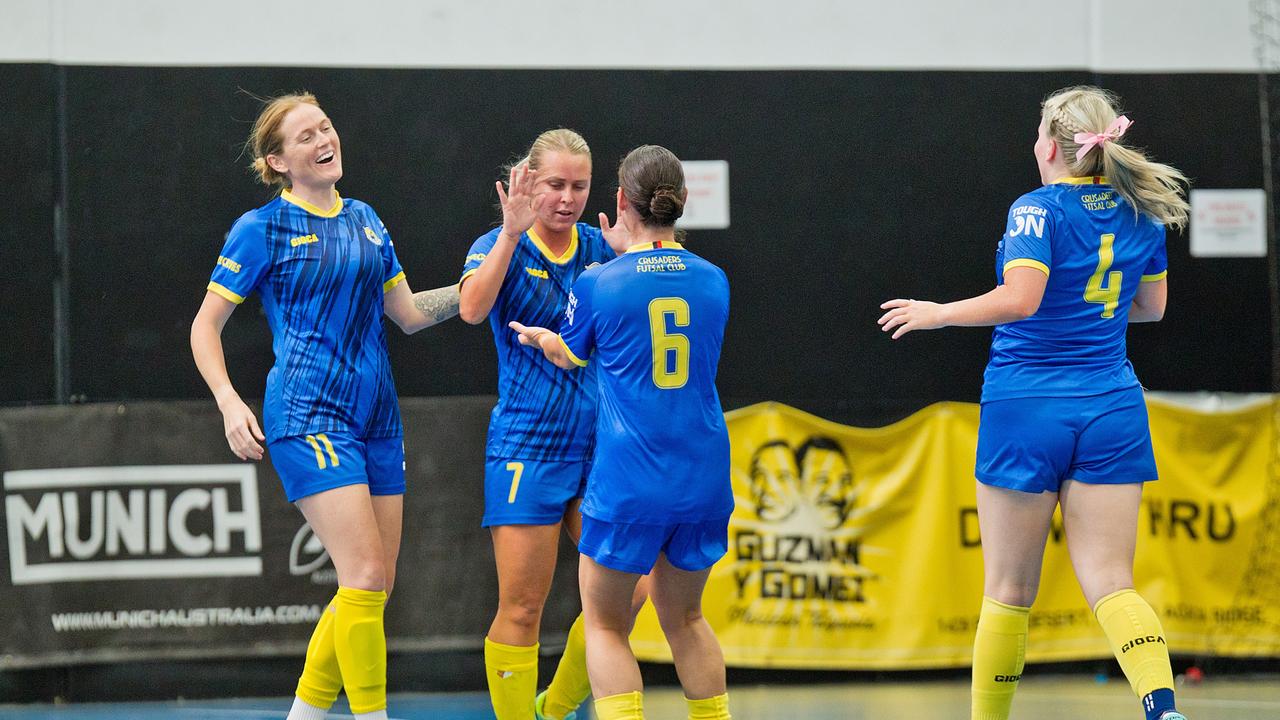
266	175
665	206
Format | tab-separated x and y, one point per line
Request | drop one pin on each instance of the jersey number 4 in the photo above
1108	295
670	349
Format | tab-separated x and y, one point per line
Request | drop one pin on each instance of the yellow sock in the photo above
998	654
321	680
570	685
1137	640
512	672
627	706
360	644
712	708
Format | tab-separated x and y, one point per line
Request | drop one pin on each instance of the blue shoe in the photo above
541	701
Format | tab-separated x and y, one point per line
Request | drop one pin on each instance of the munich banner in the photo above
857	548
130	532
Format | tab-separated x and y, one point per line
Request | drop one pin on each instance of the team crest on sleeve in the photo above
373	236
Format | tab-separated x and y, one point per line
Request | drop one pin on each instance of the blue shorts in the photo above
309	464
1034	444
634	547
531	492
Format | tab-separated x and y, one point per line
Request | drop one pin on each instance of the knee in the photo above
678	621
366	574
523	610
1012	593
1097	588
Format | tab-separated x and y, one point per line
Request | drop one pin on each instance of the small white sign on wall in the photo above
1228	223
708	204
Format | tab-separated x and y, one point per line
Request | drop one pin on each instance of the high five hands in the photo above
520	202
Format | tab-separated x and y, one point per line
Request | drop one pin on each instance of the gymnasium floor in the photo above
1040	698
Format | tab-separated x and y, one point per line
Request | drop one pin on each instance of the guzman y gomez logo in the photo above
798	543
112	523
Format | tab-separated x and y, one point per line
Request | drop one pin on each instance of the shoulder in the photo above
709	268
486	241
360	208
591	238
356	205
1046	197
592	274
256	220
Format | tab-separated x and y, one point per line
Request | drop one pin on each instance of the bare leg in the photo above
1014	528
526	560
606	608
1101	522
677	596
344	520
389	511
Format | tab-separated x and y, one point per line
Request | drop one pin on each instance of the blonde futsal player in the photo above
1063	418
541	433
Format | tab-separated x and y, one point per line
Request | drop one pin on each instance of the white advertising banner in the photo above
1228	223
707	207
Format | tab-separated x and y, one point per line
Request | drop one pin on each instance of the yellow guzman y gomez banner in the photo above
858	548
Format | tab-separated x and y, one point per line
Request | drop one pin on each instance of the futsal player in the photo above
541	433
659	497
326	273
1063	418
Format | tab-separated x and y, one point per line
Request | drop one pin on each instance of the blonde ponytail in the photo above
1153	189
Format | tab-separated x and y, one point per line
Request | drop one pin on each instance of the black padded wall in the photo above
847	188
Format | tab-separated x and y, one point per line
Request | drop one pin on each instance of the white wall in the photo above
1114	36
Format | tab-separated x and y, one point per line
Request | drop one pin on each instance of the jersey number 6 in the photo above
666	345
1108	296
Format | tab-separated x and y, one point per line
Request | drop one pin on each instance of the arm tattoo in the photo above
437	305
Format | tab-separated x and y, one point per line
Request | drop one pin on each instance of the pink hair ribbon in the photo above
1089	141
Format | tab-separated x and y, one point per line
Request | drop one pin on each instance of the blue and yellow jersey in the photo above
543	413
1087	239
652	323
320	274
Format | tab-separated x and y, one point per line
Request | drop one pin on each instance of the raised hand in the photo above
520	202
618	236
908	315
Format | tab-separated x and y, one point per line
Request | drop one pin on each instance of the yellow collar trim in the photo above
1089	180
659	245
331	212
568	253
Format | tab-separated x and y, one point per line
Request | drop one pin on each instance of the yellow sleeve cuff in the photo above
217	289
393	281
574	358
466	275
1154	278
1027	262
